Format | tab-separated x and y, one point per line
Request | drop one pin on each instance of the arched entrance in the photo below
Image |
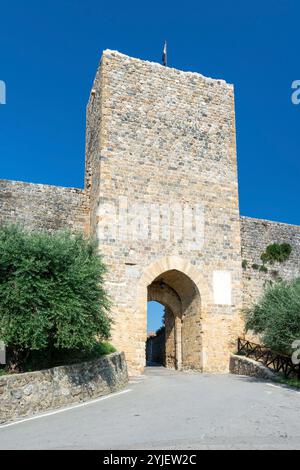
183	290
181	298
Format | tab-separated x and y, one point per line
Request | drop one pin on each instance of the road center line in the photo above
68	408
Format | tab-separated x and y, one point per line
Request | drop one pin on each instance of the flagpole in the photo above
165	55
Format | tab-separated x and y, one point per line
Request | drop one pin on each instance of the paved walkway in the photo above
165	409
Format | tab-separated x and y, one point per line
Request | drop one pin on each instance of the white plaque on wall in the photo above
222	287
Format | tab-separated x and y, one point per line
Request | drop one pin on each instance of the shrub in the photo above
244	264
263	269
51	292
276	252
276	317
103	348
37	360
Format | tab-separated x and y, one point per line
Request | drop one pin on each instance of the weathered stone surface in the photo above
157	135
256	235
155	349
34	392
242	365
40	206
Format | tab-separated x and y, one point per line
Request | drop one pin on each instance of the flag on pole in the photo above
164	56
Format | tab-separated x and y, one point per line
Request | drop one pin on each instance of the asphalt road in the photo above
171	410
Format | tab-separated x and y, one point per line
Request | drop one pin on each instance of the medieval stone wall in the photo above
40	206
242	365
256	235
155	349
35	392
170	339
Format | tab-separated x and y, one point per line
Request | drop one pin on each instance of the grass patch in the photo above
100	349
39	360
68	356
291	382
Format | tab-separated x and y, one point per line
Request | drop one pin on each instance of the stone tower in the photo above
161	170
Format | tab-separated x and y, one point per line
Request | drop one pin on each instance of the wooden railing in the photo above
271	359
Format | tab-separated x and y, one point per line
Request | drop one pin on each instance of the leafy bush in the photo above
263	269
244	264
276	252
103	348
51	292
276	317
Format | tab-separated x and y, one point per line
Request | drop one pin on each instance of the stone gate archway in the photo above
183	335
177	285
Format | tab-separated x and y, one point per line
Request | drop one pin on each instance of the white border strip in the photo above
285	387
62	410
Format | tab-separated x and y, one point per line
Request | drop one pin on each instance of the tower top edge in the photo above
111	54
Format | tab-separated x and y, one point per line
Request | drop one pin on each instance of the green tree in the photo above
276	317
51	291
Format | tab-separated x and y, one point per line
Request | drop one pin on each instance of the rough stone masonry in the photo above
161	196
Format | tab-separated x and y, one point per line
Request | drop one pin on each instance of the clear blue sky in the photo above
155	314
49	53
